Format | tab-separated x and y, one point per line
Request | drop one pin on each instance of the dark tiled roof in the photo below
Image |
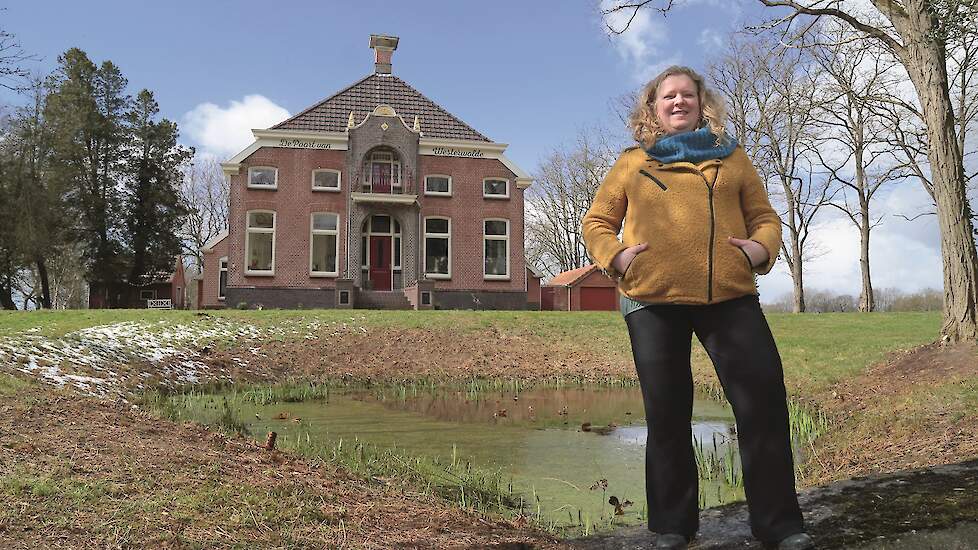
332	113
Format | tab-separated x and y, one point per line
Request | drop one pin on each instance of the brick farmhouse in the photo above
374	197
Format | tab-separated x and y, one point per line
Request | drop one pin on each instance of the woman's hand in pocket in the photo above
625	257
757	254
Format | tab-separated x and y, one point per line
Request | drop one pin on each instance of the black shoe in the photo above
670	541
798	541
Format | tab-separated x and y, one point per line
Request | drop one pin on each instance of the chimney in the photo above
383	47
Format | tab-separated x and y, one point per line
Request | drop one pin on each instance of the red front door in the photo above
380	262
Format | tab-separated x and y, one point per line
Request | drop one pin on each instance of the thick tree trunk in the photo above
926	63
42	274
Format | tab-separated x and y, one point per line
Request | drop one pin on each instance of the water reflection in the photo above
556	444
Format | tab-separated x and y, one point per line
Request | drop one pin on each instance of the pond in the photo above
565	451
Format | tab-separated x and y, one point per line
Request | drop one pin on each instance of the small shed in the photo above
166	291
582	289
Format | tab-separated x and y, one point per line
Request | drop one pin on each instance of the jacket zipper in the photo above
655	179
709	268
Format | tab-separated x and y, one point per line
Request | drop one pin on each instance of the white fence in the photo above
159	304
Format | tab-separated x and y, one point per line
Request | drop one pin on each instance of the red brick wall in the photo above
532	289
468	208
293	201
212	276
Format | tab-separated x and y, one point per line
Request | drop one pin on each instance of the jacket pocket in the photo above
746	258
632	274
732	273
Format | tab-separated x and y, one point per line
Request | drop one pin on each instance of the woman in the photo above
697	226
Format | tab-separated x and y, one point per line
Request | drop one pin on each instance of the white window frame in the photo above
248	231
222	267
424	251
397	236
494	196
494	277
256	186
336	243
438	193
339	181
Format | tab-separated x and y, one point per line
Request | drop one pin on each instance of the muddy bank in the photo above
81	473
911	509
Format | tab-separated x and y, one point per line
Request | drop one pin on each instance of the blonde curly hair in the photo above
645	125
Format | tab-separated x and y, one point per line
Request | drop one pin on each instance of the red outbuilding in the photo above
582	289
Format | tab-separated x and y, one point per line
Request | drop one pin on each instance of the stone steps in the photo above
382	299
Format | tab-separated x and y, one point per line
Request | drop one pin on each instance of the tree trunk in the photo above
6	297
926	64
799	287
867	301
42	274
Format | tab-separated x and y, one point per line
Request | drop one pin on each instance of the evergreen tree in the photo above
85	114
154	208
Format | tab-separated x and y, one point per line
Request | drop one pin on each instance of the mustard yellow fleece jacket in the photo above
685	212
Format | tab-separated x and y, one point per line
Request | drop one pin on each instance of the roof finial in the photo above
350	123
417	124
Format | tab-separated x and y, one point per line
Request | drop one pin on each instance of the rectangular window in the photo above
438	248
324	244
260	243
222	285
496	250
495	188
326	180
147	294
438	185
263	177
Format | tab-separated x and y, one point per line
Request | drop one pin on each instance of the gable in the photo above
333	113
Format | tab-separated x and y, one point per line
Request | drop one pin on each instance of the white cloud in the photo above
640	45
902	254
225	131
711	40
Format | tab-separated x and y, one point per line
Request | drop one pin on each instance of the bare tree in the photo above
205	192
12	72
857	74
917	33
565	185
771	91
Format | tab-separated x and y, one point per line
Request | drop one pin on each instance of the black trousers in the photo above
737	338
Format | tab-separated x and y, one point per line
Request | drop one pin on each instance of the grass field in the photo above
890	404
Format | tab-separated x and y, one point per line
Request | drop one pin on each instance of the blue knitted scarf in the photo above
695	147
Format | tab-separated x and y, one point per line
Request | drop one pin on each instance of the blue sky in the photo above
528	73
